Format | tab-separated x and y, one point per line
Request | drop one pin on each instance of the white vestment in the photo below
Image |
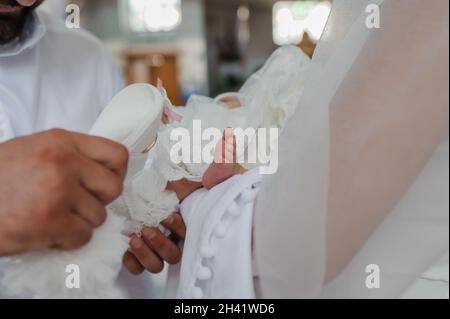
55	77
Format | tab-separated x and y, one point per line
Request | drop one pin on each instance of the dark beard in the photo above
11	26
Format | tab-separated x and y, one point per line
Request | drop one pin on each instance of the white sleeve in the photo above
110	78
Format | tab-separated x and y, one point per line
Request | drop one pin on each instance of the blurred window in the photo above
154	15
292	19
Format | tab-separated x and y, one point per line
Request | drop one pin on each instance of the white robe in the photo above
54	77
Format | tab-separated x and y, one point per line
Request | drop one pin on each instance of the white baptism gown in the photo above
263	105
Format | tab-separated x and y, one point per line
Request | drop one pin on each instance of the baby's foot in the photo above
225	163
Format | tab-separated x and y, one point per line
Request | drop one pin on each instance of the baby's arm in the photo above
183	188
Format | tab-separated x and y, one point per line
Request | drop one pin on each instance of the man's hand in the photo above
54	187
150	251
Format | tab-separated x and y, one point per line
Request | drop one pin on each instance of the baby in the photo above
261	103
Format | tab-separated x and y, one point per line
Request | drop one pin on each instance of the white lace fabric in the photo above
147	199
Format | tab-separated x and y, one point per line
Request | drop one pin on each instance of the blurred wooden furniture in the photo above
307	45
145	66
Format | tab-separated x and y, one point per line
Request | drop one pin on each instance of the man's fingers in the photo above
109	153
155	247
150	260
100	181
89	207
176	225
161	245
131	263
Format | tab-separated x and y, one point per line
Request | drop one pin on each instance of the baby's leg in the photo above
223	168
183	188
225	163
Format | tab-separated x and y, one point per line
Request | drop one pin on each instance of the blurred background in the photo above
197	46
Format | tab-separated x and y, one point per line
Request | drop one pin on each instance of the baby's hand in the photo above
150	251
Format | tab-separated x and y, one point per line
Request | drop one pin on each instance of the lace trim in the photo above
147	201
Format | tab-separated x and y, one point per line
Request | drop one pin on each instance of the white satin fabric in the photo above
409	241
294	205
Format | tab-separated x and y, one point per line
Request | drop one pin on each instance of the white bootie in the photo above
132	118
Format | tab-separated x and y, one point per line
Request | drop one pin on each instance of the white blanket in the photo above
217	256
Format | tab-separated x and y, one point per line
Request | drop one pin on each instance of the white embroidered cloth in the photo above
217	255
